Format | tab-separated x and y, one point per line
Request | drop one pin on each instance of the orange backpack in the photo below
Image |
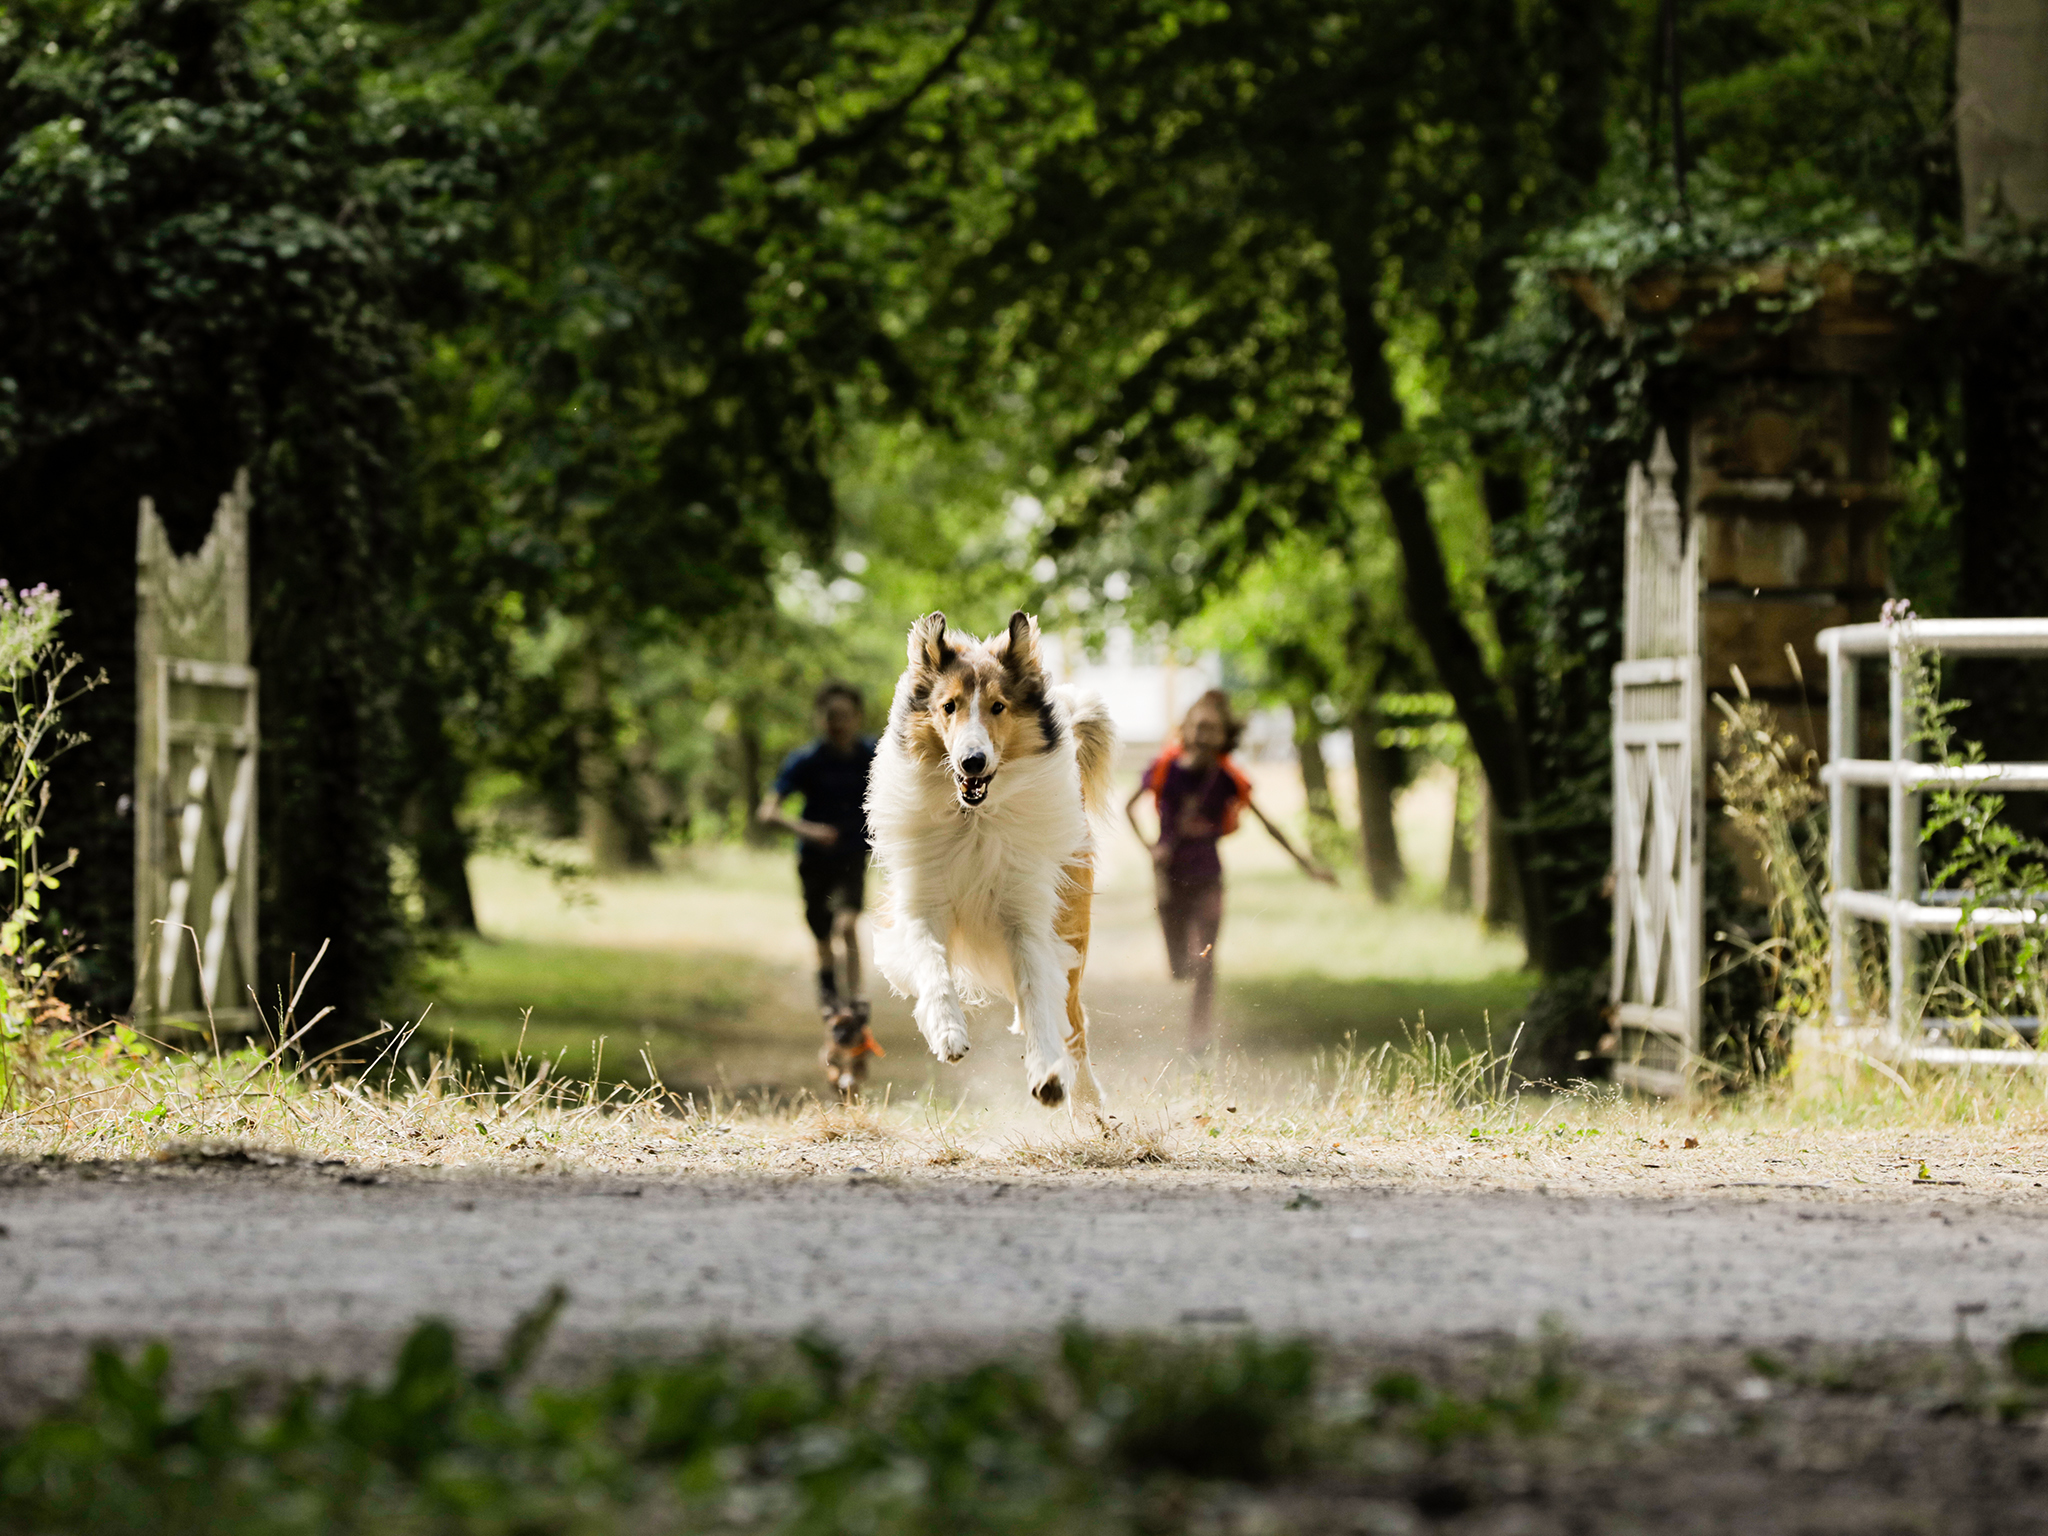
1155	776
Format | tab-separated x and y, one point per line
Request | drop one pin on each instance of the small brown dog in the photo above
848	1045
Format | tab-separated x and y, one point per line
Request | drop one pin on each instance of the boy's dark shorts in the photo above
834	884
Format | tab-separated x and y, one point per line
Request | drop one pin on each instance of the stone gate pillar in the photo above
1789	472
1784	411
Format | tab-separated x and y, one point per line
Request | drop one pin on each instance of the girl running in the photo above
1200	793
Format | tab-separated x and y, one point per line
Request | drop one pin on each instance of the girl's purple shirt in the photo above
1194	810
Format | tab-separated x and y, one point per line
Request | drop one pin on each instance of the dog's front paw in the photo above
951	1043
1051	1085
945	1030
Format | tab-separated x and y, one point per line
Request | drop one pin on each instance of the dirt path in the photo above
294	1266
707	969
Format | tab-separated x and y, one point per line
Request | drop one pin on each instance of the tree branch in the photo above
881	120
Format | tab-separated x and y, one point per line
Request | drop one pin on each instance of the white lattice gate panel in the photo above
195	773
1658	887
1655	986
206	730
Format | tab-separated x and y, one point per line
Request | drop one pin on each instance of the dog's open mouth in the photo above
974	790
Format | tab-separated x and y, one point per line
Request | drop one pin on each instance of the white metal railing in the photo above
1903	909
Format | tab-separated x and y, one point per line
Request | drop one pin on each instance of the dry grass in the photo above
827	1122
1083	1143
1421	1115
112	1097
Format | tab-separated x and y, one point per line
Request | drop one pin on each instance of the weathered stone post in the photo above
1789	470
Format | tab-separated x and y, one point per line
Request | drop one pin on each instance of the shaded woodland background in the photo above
609	375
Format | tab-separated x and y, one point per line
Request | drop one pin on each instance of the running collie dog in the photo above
978	803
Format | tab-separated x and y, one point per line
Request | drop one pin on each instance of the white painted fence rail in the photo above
1904	910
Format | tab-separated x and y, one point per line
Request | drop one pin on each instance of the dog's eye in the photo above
997	709
951	705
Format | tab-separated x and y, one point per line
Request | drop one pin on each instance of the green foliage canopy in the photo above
219	222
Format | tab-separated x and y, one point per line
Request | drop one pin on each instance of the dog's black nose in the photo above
973	763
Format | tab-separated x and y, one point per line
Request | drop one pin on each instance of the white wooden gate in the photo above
1655	988
195	773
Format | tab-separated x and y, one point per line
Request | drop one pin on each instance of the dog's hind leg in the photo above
1087	1092
1070	928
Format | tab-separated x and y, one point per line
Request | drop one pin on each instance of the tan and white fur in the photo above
979	805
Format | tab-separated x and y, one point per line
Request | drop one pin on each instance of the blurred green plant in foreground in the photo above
1112	1435
1101	1434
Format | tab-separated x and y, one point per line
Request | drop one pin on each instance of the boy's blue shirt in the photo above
834	786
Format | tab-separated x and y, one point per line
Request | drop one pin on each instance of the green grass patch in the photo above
1307	1012
677	1006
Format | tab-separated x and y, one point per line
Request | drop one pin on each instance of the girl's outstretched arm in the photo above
1308	865
1131	813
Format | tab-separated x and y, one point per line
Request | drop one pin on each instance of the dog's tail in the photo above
1094	744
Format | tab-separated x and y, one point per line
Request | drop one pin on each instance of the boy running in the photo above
831	775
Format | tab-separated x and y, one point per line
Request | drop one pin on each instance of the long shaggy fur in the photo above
1094	743
979	804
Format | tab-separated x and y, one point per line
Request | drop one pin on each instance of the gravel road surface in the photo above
252	1264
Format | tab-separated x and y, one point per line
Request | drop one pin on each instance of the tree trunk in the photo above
1498	896
1460	665
2002	153
1518	884
1504	490
1315	774
1486	870
748	751
2002	110
1458	885
2004	536
614	825
1376	835
440	846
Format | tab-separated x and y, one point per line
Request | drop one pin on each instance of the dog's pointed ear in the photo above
1020	646
928	649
